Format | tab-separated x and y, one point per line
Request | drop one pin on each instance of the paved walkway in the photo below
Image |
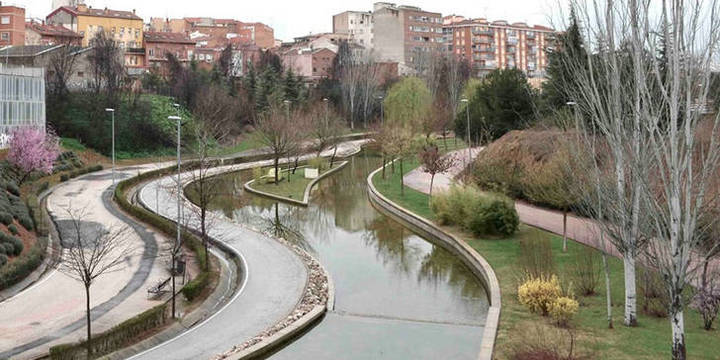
579	229
273	284
52	310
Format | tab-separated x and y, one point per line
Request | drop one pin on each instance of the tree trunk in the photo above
172	276
565	230
630	291
608	298
432	179
203	229
402	181
87	319
383	167
677	322
277	180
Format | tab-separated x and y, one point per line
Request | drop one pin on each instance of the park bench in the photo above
159	288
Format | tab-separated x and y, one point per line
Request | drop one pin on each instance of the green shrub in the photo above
492	215
3	259
44	186
7	248
26	222
22	266
12	188
17	245
6	218
13	229
64	177
193	288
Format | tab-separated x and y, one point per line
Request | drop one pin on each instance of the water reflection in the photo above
380	268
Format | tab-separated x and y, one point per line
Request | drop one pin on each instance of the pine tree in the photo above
560	87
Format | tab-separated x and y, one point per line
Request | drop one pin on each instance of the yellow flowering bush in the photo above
563	309
538	294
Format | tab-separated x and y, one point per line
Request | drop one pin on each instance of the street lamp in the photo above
112	115
179	191
467	112
573	105
325	100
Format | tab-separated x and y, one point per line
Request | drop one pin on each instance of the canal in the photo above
398	296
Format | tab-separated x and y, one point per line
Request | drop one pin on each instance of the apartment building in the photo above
498	44
12	25
158	44
357	25
22	100
218	32
125	27
37	33
312	56
395	33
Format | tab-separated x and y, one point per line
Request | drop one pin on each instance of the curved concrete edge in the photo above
281	336
306	197
477	264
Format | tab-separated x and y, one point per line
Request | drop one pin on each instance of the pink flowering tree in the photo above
32	150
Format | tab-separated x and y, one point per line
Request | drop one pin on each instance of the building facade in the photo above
218	32
498	45
125	27
158	44
43	34
12	25
41	56
357	25
22	100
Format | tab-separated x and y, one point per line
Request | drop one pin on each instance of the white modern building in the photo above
22	100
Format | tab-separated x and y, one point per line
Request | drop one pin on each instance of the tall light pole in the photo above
573	105
325	100
179	190
112	115
467	112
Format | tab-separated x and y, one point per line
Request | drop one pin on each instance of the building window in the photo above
5	36
151	52
5	20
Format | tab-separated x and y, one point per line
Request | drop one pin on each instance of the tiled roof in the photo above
168	37
51	30
107	13
26	50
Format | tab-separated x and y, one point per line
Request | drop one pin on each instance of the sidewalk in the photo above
52	311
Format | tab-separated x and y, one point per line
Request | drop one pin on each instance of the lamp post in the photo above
325	100
112	115
467	112
179	190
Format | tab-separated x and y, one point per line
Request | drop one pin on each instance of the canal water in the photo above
398	296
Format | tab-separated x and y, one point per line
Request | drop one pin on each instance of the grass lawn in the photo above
293	189
650	340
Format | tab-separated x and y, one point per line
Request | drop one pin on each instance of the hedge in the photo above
194	287
21	267
115	338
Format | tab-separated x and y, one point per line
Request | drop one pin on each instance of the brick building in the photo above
37	33
498	44
158	44
357	25
218	32
12	25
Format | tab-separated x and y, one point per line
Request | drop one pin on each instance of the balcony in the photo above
512	41
530	35
479	40
483	32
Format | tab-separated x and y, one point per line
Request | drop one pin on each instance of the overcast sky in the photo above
292	18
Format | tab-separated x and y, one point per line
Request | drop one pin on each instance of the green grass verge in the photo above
293	189
650	340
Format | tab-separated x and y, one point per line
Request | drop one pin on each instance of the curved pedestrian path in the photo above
274	276
52	311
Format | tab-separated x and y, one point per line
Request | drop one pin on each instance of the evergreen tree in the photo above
560	87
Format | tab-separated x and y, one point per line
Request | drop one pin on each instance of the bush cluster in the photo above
3	259
482	214
12	245
67	161
13	229
194	287
319	163
538	294
563	309
117	337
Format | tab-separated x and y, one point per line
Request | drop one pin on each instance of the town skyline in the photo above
314	19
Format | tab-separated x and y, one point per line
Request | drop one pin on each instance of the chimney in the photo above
133	11
105	10
82	7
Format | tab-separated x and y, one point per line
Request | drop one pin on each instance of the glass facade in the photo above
22	99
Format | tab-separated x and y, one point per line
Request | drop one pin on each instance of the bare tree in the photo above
90	253
215	112
647	109
61	66
106	64
433	162
274	130
326	127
